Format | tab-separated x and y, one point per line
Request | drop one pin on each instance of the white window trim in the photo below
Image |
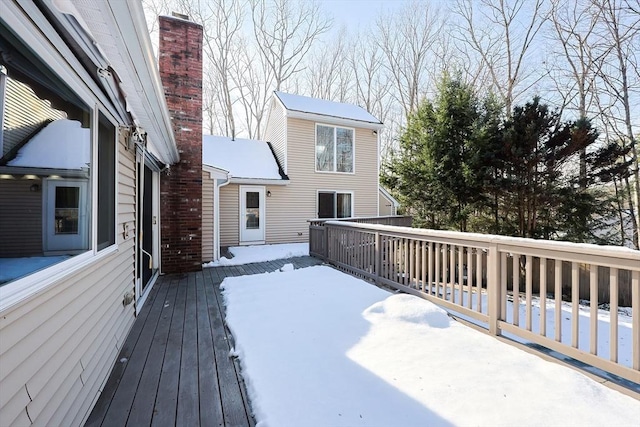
21	289
335	148
336	192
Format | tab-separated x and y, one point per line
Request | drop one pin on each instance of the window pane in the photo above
252	210
326	205
45	162
324	148
67	209
344	205
106	183
344	150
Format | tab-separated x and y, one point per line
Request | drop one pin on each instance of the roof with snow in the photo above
242	158
322	107
62	144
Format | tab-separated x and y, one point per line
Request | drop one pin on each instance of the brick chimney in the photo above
180	57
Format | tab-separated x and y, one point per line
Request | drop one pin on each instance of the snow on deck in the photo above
319	347
62	144
261	253
323	107
242	158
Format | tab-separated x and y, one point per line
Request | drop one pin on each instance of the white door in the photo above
252	217
66	224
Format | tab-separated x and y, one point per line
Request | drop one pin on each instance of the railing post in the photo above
378	258
493	288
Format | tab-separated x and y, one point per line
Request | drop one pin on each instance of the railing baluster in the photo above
575	303
593	305
503	285
558	300
430	262
412	264
452	271
543	297
635	318
423	265
515	288
469	277
613	313
479	274
528	290
438	248
460	274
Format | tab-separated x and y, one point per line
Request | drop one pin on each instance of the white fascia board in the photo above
216	173
258	181
128	18
333	120
388	195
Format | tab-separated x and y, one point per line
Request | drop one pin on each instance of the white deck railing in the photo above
531	290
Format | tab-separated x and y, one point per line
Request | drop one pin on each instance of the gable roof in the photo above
62	144
305	105
244	159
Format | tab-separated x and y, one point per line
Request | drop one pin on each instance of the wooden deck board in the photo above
178	369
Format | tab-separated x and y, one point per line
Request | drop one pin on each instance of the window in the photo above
334	149
57	167
332	204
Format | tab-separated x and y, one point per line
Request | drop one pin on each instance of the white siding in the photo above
58	346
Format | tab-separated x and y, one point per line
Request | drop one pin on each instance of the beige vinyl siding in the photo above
229	215
289	207
58	346
275	132
20	206
24	113
386	206
207	217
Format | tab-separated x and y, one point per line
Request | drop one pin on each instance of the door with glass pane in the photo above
66	222
252	218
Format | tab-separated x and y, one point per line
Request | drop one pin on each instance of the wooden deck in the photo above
174	368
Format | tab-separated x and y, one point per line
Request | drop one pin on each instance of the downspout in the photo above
216	216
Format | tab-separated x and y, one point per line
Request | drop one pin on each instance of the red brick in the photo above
181	190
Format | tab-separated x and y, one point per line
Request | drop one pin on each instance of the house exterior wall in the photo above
181	191
208	213
21	206
58	346
275	133
289	207
230	215
386	207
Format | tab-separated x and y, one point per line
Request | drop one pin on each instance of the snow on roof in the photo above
242	158
62	144
323	107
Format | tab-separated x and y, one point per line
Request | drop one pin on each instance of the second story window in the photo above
334	149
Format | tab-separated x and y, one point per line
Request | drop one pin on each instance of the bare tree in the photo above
406	40
574	70
502	36
253	80
285	31
329	74
618	71
222	21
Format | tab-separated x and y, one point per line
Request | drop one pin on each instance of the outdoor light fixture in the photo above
34	188
268	193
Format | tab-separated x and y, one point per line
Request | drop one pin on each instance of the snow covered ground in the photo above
261	253
321	348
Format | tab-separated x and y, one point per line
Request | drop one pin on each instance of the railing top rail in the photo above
356	218
510	243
